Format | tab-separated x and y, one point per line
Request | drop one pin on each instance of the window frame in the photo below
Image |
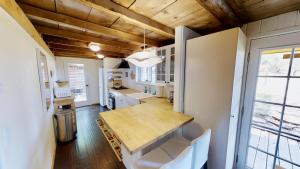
150	77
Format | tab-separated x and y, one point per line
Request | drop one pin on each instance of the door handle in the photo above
87	85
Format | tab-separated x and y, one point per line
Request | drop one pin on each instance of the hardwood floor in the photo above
90	150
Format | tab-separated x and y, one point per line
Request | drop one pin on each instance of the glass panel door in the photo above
172	64
161	67
275	125
77	81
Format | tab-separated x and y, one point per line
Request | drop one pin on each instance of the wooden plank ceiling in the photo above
68	26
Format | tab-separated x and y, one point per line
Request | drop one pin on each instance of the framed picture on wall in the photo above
44	79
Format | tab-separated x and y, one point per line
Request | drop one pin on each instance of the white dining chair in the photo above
182	161
192	135
158	159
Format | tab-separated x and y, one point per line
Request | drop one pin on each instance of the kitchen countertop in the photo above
141	125
123	91
140	95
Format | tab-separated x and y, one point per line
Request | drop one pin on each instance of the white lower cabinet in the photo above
129	159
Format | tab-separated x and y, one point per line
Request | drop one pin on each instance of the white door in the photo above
77	77
270	128
161	67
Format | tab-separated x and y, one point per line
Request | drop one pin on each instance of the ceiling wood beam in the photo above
80	49
239	9
79	53
73	55
13	9
64	41
140	20
64	19
221	11
84	37
67	42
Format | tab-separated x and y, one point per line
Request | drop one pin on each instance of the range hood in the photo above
124	65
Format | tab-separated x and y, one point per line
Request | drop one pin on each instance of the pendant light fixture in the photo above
95	47
145	58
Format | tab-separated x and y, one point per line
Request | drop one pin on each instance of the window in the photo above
146	74
275	125
44	80
77	81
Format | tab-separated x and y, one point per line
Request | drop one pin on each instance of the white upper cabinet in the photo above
172	64
165	70
161	67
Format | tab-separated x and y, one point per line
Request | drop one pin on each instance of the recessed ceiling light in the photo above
100	56
95	47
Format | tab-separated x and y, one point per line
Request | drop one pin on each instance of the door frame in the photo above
251	69
86	78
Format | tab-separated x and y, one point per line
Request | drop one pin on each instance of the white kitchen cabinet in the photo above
161	67
165	69
172	64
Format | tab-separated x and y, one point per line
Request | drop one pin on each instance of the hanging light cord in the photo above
144	39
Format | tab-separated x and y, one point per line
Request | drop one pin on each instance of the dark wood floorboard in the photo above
90	150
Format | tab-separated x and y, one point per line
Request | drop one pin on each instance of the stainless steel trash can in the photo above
64	125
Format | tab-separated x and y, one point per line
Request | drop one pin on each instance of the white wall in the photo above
128	81
131	83
92	75
182	34
112	63
26	130
276	25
